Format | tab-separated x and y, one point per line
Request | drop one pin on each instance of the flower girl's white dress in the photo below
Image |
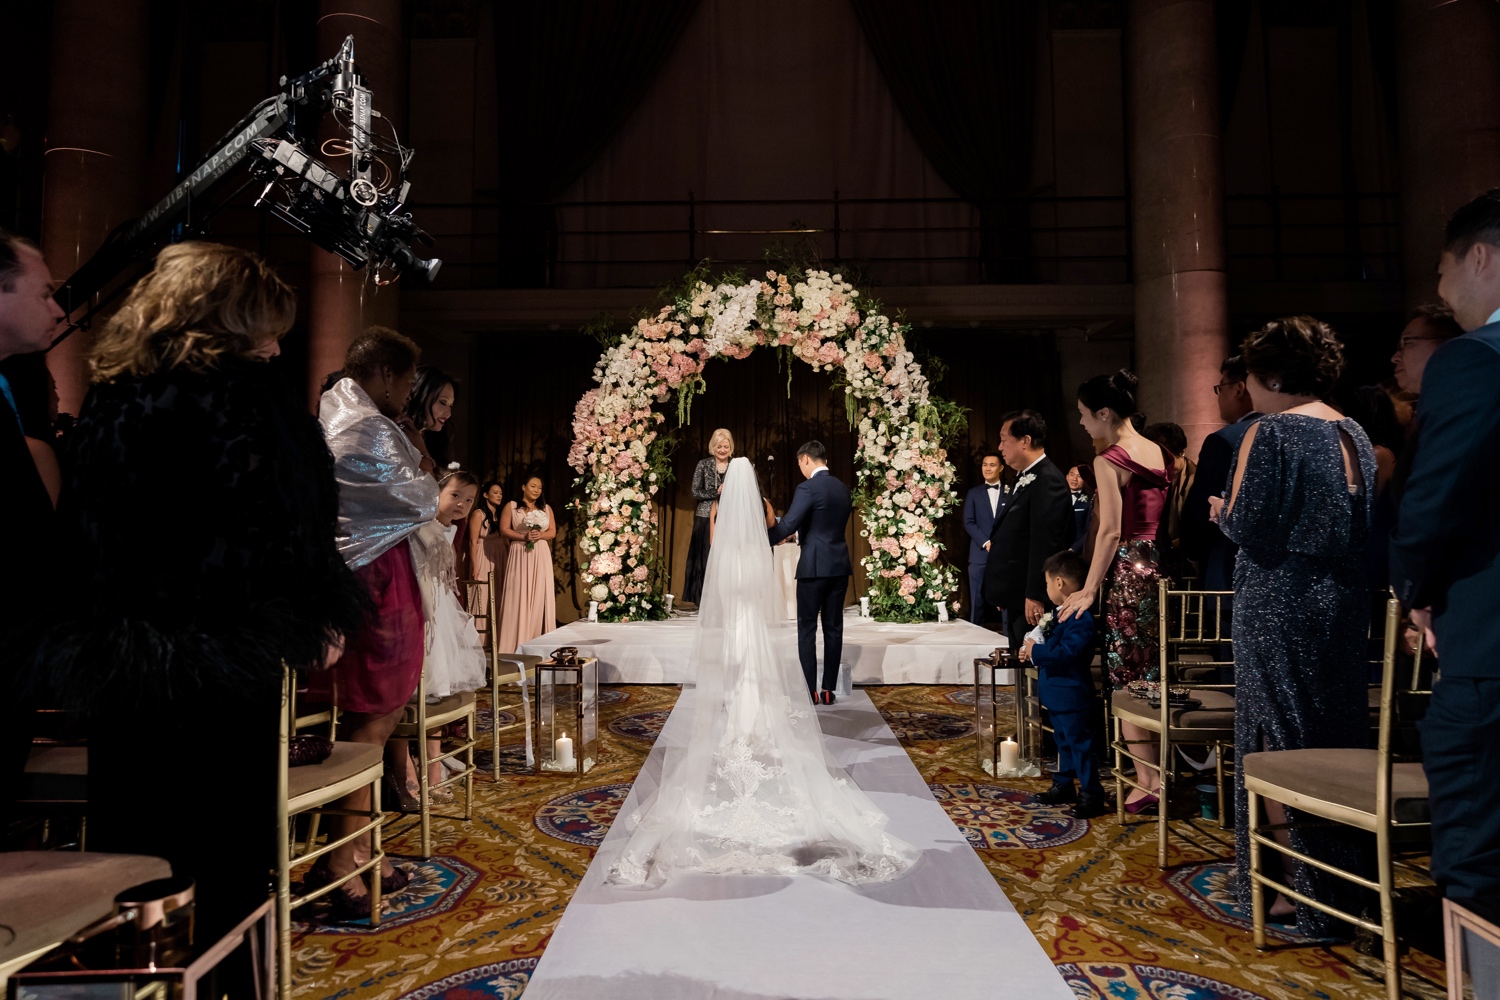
455	655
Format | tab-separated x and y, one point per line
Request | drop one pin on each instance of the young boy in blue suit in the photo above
1061	652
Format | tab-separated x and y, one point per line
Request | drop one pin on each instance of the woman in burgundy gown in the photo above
1134	476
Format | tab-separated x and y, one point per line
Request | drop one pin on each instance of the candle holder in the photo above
996	755
567	713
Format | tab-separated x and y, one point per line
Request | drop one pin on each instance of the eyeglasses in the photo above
1225	385
1406	342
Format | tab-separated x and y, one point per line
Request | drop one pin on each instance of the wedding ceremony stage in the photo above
874	652
754	938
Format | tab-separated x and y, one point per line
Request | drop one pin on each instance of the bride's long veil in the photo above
753	790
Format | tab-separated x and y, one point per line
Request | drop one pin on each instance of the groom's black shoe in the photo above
1059	794
1090	804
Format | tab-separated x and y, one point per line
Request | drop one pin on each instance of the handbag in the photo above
308	749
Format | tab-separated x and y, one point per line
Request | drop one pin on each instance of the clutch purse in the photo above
304	750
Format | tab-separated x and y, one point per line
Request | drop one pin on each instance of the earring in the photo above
1273	386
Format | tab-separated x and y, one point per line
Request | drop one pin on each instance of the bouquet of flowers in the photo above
535	520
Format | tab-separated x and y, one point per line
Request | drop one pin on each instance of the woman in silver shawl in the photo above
385	498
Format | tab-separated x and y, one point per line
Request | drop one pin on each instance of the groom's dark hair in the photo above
815	451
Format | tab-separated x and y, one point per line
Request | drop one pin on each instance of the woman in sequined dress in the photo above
708	480
1134	475
1300	506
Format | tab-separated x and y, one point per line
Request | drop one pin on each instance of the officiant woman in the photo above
708	480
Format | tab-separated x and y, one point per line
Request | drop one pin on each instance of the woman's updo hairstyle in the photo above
1300	353
379	348
1110	392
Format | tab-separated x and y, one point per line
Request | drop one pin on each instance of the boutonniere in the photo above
1045	624
1024	481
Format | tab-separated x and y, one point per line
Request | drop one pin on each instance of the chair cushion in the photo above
453	705
56	774
1343	777
47	896
1215	711
347	759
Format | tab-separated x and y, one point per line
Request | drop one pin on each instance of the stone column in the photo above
1177	206
96	148
343	301
1448	123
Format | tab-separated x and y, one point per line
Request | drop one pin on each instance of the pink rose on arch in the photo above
872	361
639	573
908	585
617	583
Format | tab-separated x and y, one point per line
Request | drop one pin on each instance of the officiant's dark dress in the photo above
1301	616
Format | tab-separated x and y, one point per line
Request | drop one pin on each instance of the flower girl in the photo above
455	655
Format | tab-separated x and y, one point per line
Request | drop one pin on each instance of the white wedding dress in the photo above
753	791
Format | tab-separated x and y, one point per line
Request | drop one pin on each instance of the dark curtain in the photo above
569	73
1232	19
963	73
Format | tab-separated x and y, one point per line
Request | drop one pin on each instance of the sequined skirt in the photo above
1131	621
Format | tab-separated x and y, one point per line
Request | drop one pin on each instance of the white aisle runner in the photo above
943	930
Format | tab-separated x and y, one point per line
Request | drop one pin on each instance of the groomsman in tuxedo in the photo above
1036	523
1202	541
818	513
982	506
1445	567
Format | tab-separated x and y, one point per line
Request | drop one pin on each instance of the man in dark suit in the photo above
1202	541
28	323
1037	522
818	513
1445	567
982	506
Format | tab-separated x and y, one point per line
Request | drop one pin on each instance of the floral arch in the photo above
621	448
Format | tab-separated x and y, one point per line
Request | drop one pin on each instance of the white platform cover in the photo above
945	929
874	652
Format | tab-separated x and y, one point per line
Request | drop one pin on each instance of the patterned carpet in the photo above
479	914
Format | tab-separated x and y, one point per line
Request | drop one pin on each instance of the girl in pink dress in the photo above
528	606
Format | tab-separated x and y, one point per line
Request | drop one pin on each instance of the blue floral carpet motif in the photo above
582	817
995	817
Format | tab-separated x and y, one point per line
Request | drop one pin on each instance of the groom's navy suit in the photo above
819	511
979	522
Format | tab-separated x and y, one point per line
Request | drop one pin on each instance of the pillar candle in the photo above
563	751
942	611
594	611
864	607
669	604
1010	755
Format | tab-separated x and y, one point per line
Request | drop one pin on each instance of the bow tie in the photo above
994	487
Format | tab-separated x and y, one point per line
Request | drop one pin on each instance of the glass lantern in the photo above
567	713
987	684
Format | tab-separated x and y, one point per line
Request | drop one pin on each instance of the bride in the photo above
753	791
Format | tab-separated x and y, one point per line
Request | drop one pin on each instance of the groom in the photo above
820	509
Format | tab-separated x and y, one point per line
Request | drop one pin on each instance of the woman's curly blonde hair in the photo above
200	302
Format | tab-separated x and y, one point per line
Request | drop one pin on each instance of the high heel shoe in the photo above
346	903
393	883
1141	804
396	796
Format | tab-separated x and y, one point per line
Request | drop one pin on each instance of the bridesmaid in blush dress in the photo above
485	549
528	606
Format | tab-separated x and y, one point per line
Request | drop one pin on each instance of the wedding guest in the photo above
174	638
486	548
1445	566
1372	408
708	480
529	605
429	409
1202	541
1081	489
28	324
1036	522
1134	475
1428	328
982	506
1299	507
1173	440
384	497
1062	652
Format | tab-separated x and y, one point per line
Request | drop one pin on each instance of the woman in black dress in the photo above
197	521
708	479
1299	508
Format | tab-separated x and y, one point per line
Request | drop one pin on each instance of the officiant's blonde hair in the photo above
721	434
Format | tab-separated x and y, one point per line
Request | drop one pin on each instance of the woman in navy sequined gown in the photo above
1300	508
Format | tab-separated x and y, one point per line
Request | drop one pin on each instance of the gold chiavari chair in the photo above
1192	640
315	787
422	721
1381	791
509	672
